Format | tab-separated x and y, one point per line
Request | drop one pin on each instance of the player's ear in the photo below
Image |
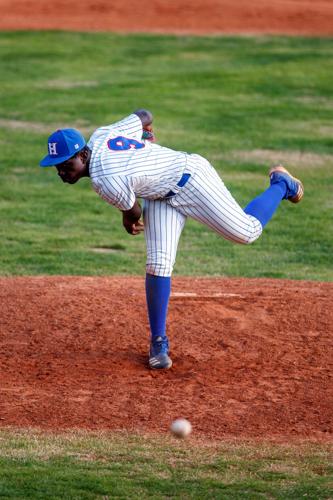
84	154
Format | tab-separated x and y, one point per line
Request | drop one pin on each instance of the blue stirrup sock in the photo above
264	205
158	290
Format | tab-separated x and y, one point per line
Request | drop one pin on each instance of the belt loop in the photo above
181	183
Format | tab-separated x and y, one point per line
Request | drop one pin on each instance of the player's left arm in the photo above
146	118
137	126
131	219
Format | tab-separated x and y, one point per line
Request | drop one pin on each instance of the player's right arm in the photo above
131	219
119	194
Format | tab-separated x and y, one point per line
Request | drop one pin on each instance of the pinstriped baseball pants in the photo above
205	199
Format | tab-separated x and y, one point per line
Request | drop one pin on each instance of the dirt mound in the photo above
303	17
252	358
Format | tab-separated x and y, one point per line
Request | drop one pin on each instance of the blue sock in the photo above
264	205
158	290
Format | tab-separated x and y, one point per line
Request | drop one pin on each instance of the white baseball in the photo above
181	427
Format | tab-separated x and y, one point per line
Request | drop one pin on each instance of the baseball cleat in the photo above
295	189
159	354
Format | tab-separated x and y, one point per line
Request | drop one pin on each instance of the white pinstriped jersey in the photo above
123	166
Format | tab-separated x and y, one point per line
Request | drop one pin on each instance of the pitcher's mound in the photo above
252	358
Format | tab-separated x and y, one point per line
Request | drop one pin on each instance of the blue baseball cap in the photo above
62	145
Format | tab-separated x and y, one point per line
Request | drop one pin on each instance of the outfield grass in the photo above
102	465
244	103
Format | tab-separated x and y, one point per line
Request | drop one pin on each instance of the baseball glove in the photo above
148	134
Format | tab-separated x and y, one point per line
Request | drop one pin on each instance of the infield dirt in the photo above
252	358
297	17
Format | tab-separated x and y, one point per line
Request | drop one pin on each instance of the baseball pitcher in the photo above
124	164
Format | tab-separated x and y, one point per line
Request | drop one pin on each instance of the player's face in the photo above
72	170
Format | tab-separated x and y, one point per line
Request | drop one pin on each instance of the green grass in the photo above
105	465
241	102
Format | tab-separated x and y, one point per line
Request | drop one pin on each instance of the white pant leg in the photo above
206	199
163	227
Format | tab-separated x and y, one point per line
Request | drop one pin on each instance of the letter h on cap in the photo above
53	148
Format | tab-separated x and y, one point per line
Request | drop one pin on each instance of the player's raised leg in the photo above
206	199
163	227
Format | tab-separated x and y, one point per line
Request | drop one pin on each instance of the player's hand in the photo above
132	221
137	228
131	227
